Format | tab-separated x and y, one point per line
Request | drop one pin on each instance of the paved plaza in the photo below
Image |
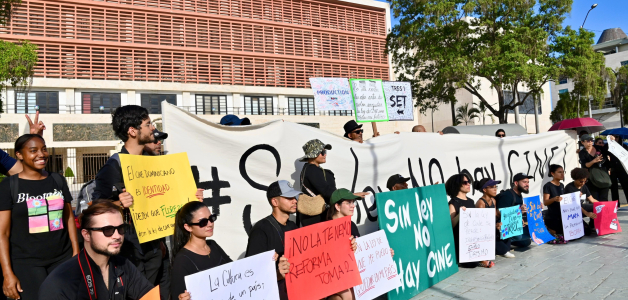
589	268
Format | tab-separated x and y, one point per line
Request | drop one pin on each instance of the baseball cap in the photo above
397	178
521	176
281	188
159	136
586	137
342	194
486	182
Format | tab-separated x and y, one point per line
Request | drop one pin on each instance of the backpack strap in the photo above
59	181
275	224
14	181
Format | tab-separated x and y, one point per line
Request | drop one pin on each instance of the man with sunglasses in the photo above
98	272
353	131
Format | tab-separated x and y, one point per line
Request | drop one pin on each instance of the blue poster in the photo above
512	222
536	226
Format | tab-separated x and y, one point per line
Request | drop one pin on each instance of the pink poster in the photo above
606	221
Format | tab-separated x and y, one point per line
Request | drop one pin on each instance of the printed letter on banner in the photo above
399	103
253	277
512	222
571	214
418	227
321	260
477	234
160	185
332	93
376	265
368	98
536	226
606	221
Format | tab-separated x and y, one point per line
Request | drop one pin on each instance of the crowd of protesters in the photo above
45	256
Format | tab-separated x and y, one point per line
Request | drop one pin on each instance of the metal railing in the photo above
277	111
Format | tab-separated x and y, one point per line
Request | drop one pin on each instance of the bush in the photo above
69	173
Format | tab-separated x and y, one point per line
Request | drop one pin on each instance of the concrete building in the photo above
614	44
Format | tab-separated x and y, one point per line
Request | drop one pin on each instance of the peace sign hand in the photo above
36	127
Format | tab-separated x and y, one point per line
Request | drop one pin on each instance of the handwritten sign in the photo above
571	214
512	222
160	185
619	152
477	234
536	226
417	224
377	268
321	260
253	277
399	100
606	221
332	93
368	99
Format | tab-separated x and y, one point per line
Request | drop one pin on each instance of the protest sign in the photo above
376	266
512	222
160	185
254	277
332	93
571	214
418	227
152	294
368	99
399	100
536	226
619	152
477	234
321	260
606	221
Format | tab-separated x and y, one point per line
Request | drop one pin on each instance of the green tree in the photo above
508	45
618	85
466	114
567	107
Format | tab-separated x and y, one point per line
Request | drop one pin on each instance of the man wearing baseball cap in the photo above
397	182
154	148
268	233
512	197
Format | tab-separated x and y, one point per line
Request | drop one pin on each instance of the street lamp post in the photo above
585	20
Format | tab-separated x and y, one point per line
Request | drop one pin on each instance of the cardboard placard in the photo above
536	225
512	222
571	214
477	234
332	93
619	152
399	101
377	268
606	221
368	100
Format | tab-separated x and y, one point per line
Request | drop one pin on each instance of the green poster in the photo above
418	228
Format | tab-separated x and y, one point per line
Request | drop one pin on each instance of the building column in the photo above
237	104
282	105
187	102
130	98
70	103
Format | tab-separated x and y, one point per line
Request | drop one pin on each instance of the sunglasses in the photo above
109	230
324	152
359	131
204	221
465	182
501	135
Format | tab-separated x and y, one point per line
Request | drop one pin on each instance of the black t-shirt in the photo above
354	230
458	203
586	157
187	262
318	181
509	198
553	210
571	188
268	234
38	234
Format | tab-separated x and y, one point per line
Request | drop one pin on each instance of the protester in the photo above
154	148
579	176
421	128
353	131
132	124
552	192
268	233
580	146
233	120
8	164
489	189
599	142
192	251
595	158
457	187
512	197
397	182
37	229
618	173
500	133
98	272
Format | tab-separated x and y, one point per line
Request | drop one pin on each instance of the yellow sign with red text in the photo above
160	185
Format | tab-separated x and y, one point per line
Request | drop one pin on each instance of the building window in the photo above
340	112
48	102
152	102
301	106
211	104
623	63
563	91
562	80
100	103
528	105
258	105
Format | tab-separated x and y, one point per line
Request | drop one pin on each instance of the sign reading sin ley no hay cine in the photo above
160	185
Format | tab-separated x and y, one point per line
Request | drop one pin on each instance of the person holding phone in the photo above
593	158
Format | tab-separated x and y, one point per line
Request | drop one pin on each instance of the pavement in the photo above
589	268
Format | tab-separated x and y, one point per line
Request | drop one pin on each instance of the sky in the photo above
608	14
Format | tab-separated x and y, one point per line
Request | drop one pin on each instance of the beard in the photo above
104	250
523	191
146	139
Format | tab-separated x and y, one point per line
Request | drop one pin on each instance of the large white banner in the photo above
235	164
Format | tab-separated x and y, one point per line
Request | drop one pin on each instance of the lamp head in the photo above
594	6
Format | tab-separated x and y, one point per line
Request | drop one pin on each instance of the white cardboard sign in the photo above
477	234
399	100
619	152
368	98
571	214
377	268
249	278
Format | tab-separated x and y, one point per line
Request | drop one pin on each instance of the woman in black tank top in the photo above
489	189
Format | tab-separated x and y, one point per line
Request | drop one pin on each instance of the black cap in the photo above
586	137
521	176
351	126
274	190
159	136
397	178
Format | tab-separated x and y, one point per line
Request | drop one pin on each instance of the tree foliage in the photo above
618	86
567	107
466	114
507	46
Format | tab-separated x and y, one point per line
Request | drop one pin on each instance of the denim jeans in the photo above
521	240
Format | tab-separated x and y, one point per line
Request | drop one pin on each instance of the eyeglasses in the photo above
359	131
324	152
204	221
109	230
466	183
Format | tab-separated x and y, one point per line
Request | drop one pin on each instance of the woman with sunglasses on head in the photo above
489	189
37	228
457	188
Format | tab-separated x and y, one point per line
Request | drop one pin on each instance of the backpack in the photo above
87	190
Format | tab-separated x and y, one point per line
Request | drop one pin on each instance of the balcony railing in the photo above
76	109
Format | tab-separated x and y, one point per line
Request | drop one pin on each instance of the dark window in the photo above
152	102
562	80
92	162
340	112
528	105
301	106
563	91
623	63
54	163
48	102
211	104
258	105
92	102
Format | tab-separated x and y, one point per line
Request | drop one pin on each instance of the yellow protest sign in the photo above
160	185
